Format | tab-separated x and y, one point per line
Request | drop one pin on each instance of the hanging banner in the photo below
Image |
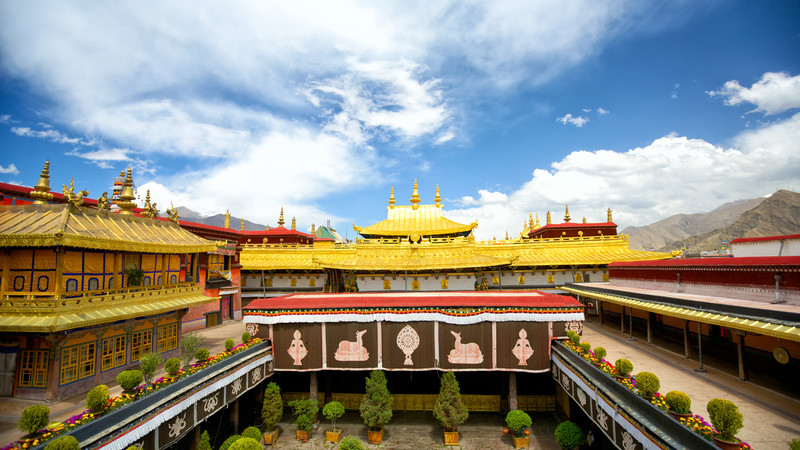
408	345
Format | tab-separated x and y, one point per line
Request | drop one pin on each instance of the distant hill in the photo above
217	220
777	214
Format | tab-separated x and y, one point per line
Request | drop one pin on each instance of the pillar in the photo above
599	305
649	328
687	347
622	321
196	434
314	389
512	391
740	354
235	416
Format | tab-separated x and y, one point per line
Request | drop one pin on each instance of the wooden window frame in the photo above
78	362
167	337
144	344
113	352
33	368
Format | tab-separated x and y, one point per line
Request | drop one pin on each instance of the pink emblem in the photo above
464	353
352	350
522	349
297	350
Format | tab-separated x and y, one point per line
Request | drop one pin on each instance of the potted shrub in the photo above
647	383
586	347
129	380
332	411
680	405
350	443
253	433
518	421
190	343
97	399
229	442
271	412
148	364
449	410
600	354
172	367
574	337
63	443
134	276
623	367
34	418
569	435
202	355
205	441
246	337
376	406
229	344
727	420
304	410
245	443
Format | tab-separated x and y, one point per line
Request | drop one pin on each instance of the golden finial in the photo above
391	198
438	198
609	215
506	234
537	220
241	225
146	208
281	221
227	219
566	215
126	198
313	230
584	219
267	227
42	193
293	223
530	219
548	218
415	196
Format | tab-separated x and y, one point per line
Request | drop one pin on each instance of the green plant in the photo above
229	344
600	353
190	342
63	443
350	443
304	410
376	406
205	441
272	408
332	411
725	417
794	444
585	346
172	366
134	275
229	442
574	337
97	398
130	379
679	402
148	364
252	432
569	435
449	410
517	420
34	418
624	367
647	383
246	337
247	443
202	355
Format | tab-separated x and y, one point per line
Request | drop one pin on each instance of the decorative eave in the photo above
409	257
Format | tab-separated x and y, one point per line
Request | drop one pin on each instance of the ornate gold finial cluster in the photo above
566	215
126	198
415	196
281	221
392	201
294	223
71	197
241	225
438	198
227	219
609	215
537	220
146	209
42	193
548	218
172	213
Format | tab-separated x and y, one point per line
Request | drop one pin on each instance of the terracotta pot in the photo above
375	436
727	445
521	442
303	435
620	378
333	435
678	417
451	437
505	430
270	436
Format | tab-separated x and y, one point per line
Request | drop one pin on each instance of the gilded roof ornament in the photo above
415	196
71	197
172	213
392	201
548	218
103	203
537	221
227	219
42	193
146	208
438	198
281	221
584	219
609	215
294	222
566	215
126	198
241	225
313	229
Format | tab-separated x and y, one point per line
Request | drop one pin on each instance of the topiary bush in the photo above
725	417
34	418
272	408
794	444
517	420
252	432
246	337
569	435
600	353
332	411
205	441
678	402
246	443
202	355
304	410
97	398
229	344
647	383
350	443
63	443
376	406
130	379
624	367
574	337
148	364
449	410
190	342
228	442
172	366
585	346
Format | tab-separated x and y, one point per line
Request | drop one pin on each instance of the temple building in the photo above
86	291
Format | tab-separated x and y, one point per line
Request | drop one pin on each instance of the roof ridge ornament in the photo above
172	213
71	197
415	196
438	198
281	221
548	218
392	201
566	215
42	193
227	218
241	224
126	198
609	215
147	208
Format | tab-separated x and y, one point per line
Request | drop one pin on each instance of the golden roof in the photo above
600	250
70	226
257	257
424	220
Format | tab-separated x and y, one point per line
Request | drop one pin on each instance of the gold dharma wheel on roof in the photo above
415	238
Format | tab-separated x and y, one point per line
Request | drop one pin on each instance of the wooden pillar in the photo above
196	434
512	391
622	321
164	258
314	388
52	376
235	416
649	328
687	347
599	306
59	271
5	277
740	353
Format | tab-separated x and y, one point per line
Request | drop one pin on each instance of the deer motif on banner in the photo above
468	353
352	350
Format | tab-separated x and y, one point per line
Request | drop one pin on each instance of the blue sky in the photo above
649	108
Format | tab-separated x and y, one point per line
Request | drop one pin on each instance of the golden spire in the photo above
267	227
313	230
146	208
415	196
126	198
584	219
438	198
530	219
42	193
391	198
566	215
506	234
293	223
609	215
227	219
537	220
241	225
281	221
548	218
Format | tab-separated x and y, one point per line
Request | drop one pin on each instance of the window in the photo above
94	284
167	337
141	343
33	368
113	352
77	362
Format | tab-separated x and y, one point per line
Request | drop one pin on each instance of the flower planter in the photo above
521	442
270	436
451	437
727	445
678	417
303	435
621	378
333	436
375	436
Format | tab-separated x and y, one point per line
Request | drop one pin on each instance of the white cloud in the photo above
5	118
50	135
646	184
774	93
674	94
587	110
577	121
444	137
602	111
12	169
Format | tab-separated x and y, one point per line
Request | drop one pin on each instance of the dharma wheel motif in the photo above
408	341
